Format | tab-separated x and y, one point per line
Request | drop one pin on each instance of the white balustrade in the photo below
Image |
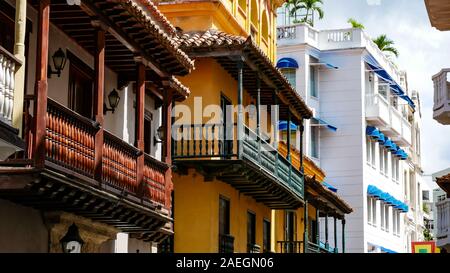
7	76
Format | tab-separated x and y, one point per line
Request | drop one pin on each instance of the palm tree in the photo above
355	24
385	44
311	7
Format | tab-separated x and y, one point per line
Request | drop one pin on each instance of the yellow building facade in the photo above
234	195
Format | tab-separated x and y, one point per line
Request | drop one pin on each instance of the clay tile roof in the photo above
181	89
215	39
158	26
444	182
328	195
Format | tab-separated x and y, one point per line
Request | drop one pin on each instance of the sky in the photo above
424	51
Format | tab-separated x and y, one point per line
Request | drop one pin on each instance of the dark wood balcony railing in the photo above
155	183
70	139
209	141
70	144
226	243
119	163
290	246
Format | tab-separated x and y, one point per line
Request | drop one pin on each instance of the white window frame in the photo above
316	130
291	75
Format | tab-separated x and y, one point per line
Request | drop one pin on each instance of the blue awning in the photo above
331	188
386	250
382	138
373	132
388	144
282	126
387	198
394	147
382	73
322	122
287	63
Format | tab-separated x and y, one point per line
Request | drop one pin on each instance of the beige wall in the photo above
22	229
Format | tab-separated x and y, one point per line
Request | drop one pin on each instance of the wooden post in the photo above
335	235
41	88
240	118
167	144
302	130
305	231
276	131
326	231
317	228
258	115
343	235
99	90
139	126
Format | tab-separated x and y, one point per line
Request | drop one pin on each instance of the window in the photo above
265	27
395	168
290	226
314	148
383	89
370	151
6	32
266	236
382	166
396	222
251	229
290	74
224	216
386	215
243	5
382	216
371	211
313	81
386	162
81	87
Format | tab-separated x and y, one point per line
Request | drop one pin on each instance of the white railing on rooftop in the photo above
335	39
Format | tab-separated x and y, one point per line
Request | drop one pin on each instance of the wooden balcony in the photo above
252	165
67	182
438	11
290	246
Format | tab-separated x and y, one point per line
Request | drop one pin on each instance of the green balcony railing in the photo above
216	142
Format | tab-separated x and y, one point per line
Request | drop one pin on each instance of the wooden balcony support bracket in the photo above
99	90
139	127
41	87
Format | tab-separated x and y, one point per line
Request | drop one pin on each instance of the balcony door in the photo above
290	226
81	87
226	121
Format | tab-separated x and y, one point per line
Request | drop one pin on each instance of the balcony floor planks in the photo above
249	179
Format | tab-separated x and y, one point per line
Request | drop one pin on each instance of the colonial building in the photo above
86	89
364	133
236	194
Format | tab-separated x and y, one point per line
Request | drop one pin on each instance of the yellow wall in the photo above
227	16
197	215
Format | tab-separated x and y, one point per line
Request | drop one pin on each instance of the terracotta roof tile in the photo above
215	39
157	25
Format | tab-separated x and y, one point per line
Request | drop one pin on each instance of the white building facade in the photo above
365	134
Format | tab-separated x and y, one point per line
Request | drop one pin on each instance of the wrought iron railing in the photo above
226	243
290	246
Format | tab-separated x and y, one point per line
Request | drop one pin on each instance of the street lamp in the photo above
159	137
72	242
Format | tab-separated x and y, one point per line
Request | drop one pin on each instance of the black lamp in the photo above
113	99
72	242
59	62
159	137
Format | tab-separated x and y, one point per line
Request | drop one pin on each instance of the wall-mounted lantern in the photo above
59	62
72	242
113	99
